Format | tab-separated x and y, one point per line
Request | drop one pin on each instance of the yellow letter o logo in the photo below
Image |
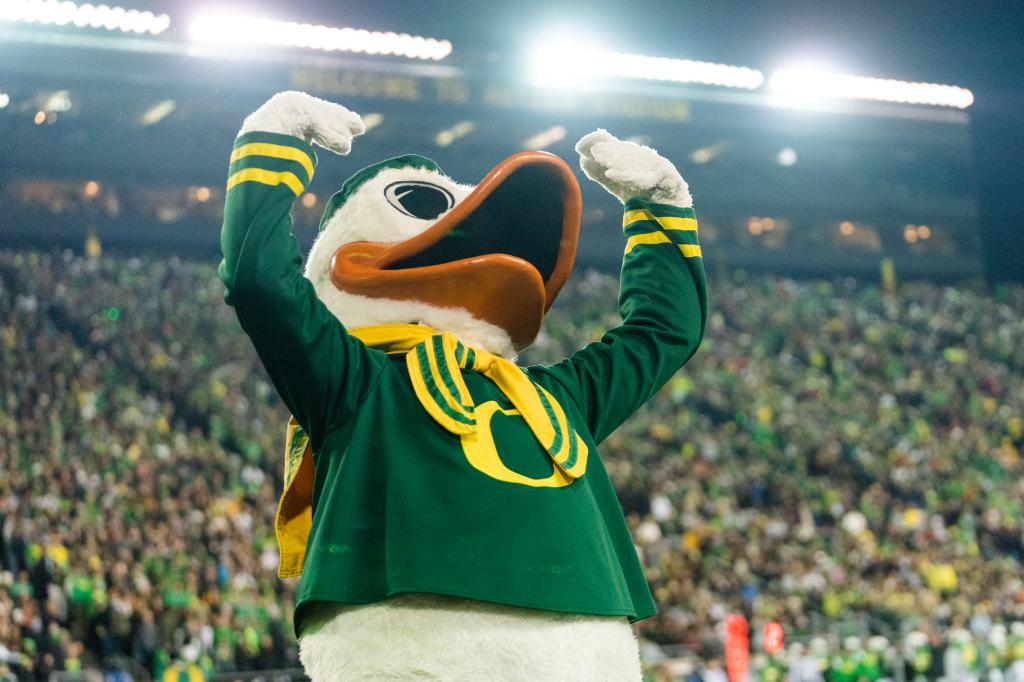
482	454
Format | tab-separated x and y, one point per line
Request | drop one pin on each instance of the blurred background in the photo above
841	458
123	131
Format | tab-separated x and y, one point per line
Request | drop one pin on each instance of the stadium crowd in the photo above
832	453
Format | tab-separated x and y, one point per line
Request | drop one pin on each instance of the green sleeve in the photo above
663	302
320	372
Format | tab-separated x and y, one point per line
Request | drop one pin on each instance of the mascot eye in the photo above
419	199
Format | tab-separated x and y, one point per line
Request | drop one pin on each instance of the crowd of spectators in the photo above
139	443
833	452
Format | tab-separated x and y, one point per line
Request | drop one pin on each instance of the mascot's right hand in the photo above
318	121
631	171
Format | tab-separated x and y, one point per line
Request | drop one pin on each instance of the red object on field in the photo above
772	637
737	647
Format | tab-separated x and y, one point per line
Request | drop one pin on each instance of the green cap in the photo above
349	187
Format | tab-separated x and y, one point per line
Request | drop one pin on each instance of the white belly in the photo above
432	637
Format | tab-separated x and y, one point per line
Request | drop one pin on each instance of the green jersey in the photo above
1015	648
772	670
843	667
921	659
870	666
401	505
997	656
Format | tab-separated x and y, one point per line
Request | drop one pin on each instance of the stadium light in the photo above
561	62
57	13
786	157
59	101
244	29
545	138
807	84
709	153
456	132
371	121
158	112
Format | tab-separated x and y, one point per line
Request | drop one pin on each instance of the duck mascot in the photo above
445	508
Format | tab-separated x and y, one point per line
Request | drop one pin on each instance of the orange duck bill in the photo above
503	253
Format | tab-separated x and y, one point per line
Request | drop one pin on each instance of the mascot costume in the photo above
446	509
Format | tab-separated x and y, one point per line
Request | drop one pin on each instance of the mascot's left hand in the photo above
631	171
314	120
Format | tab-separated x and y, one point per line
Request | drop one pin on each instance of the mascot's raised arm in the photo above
447	509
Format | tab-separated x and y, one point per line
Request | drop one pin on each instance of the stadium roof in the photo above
482	89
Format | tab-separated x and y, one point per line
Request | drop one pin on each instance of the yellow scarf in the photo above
435	362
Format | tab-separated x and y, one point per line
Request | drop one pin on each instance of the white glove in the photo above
631	171
300	115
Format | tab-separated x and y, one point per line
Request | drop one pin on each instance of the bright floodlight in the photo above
456	132
812	83
545	138
158	112
244	29
786	156
564	62
372	120
57	13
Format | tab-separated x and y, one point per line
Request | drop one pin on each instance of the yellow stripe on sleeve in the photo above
634	216
691	250
265	177
276	151
648	238
666	222
688	250
686	224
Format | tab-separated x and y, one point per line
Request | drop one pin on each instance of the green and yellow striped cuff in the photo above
649	223
272	159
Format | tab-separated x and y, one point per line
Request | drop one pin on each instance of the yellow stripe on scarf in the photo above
435	362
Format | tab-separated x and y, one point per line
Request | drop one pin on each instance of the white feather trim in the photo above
432	637
367	216
359	311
